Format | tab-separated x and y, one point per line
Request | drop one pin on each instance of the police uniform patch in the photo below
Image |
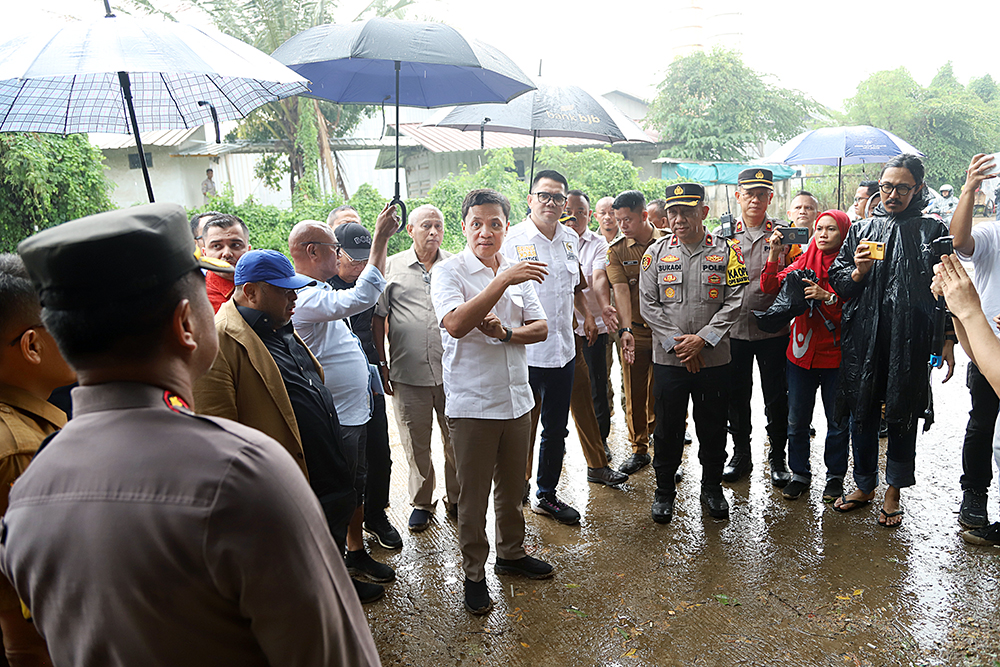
736	270
713	293
714	279
527	253
768	226
176	403
670	278
714	258
669	292
646	261
671	258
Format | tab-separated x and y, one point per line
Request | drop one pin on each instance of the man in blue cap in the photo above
266	377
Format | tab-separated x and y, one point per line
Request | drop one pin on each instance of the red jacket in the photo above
811	344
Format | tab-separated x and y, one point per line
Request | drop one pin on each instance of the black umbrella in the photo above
405	63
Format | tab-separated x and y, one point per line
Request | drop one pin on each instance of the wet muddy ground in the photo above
781	583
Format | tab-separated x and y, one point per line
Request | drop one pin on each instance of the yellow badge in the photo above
669	292
527	252
678	190
672	258
646	261
713	293
736	270
669	278
759	174
714	279
714	258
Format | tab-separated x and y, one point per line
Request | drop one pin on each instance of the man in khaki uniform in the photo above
690	288
624	256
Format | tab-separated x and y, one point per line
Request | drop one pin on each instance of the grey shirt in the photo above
691	290
752	243
144	534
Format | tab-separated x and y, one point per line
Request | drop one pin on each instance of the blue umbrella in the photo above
858	144
405	63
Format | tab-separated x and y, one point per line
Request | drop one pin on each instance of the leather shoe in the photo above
606	476
635	463
715	501
779	473
663	508
739	466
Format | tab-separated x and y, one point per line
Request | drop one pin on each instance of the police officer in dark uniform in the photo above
755	192
197	538
690	289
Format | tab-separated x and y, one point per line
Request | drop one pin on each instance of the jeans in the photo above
802	386
595	355
553	388
976	469
900	455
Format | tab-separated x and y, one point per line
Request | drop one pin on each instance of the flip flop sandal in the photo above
849	505
885	516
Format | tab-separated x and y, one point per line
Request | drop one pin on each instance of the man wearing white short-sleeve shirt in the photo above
488	313
541	238
981	245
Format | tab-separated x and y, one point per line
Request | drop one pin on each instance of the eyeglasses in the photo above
902	188
554	197
760	195
336	246
17	339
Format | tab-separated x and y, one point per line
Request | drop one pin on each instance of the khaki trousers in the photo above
415	407
640	408
490	452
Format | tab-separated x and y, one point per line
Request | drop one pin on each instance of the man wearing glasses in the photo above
887	331
540	238
754	195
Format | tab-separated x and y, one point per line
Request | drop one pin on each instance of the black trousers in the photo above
770	354
977	450
379	461
708	389
595	355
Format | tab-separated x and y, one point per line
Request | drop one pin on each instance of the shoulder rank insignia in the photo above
176	403
768	226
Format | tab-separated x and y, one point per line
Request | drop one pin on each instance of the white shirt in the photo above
593	257
561	254
986	264
318	319
484	378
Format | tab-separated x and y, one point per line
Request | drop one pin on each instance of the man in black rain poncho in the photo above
887	330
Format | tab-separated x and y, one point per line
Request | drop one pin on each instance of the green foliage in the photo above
949	123
307	186
46	179
271	170
717	108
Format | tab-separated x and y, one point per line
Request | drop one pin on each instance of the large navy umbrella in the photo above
548	111
126	75
858	144
405	63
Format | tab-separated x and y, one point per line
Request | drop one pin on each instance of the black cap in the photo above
756	177
684	194
112	256
354	240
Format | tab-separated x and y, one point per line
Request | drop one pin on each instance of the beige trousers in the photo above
415	407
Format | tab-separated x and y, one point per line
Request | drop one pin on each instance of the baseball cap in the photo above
112	256
355	240
271	267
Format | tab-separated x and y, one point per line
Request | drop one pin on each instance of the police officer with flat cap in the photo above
754	194
690	289
193	540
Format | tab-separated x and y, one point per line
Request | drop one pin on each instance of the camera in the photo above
942	246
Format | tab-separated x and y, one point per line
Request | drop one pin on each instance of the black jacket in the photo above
888	317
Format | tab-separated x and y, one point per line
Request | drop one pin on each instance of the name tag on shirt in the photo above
527	253
570	254
630	262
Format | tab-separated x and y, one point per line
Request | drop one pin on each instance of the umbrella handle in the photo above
396	201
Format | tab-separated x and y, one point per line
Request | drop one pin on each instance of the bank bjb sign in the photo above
567	113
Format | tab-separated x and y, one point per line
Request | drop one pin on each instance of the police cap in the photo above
756	177
684	194
112	256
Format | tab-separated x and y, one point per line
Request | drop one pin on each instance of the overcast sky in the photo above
824	49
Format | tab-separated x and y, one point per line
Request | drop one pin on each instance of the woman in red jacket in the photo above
813	356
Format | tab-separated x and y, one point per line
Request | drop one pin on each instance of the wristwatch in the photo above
624	330
832	300
383	364
510	332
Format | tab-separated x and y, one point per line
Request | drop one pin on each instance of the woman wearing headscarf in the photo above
813	355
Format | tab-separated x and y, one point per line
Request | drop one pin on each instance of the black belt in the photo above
641	325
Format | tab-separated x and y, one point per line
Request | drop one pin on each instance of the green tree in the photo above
47	179
716	108
985	88
888	100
